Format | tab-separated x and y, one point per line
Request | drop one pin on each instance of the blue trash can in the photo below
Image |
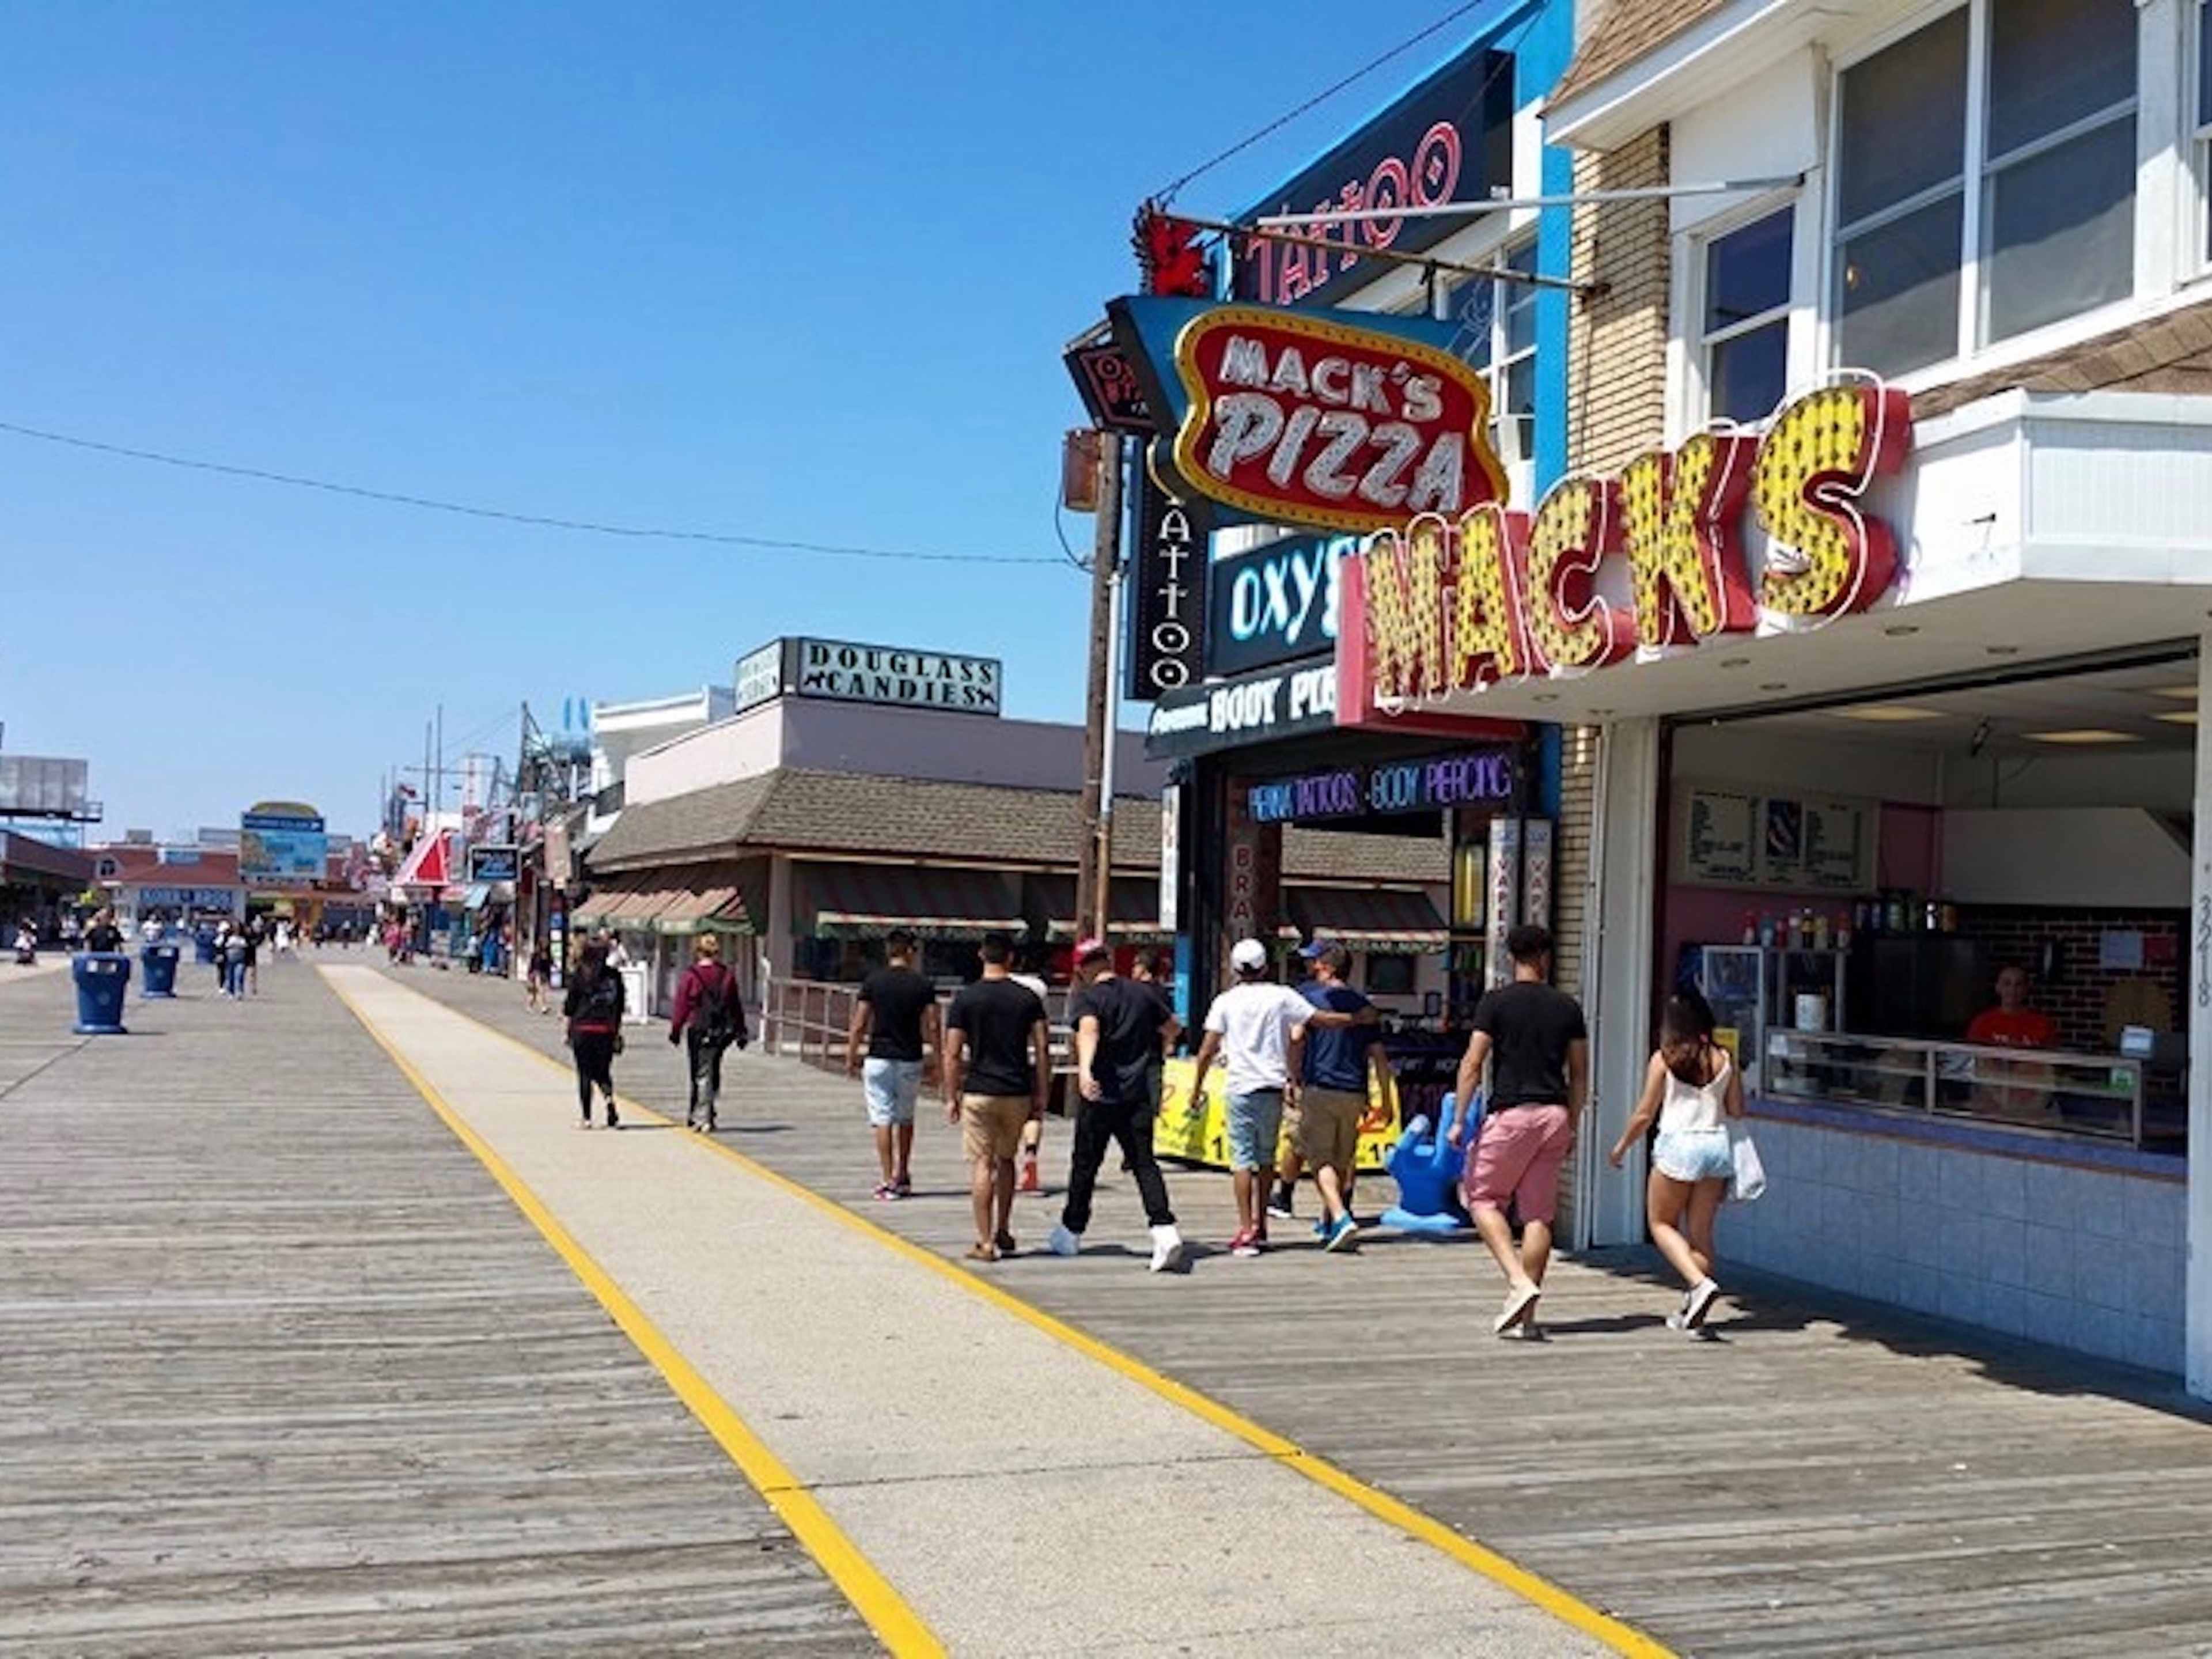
101	977
160	979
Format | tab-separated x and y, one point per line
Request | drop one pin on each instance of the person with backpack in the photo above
594	1008
708	1017
1693	1088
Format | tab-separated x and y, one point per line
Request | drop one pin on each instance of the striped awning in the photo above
597	910
713	901
857	901
1368	919
1133	908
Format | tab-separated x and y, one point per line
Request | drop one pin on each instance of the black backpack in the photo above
602	1003
714	1019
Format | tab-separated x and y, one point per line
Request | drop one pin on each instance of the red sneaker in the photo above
1028	1181
1245	1242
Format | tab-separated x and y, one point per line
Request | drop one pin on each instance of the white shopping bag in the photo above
1750	1179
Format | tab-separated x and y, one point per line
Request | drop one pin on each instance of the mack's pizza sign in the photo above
1302	418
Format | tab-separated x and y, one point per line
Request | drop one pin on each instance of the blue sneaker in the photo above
1321	1230
1345	1236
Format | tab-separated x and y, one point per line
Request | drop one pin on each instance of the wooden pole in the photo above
1090	870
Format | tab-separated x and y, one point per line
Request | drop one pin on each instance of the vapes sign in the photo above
1309	422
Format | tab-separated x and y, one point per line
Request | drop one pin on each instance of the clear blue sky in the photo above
784	271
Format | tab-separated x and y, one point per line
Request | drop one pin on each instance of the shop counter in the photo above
2099	1097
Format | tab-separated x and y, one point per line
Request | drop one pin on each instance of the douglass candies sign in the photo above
1311	417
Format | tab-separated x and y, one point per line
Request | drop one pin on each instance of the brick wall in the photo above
2075	1001
1575	841
1617	344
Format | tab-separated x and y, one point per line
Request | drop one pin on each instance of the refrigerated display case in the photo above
1753	991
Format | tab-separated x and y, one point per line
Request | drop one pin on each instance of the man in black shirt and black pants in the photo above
1535	1041
1119	1031
998	1061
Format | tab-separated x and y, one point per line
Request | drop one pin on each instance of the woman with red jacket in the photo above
594	1008
708	1017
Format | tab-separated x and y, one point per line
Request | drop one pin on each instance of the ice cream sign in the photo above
1302	418
1452	604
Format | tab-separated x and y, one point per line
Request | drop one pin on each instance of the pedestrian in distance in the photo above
1693	1088
26	944
708	1017
594	1008
253	934
1533	1037
103	935
1258	1029
1340	1062
896	1011
1120	1032
541	976
236	954
998	1063
1033	1130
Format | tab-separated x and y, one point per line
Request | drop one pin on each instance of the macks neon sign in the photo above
1457	605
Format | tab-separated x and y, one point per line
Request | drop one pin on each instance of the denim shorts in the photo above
1694	1155
1256	1124
891	1086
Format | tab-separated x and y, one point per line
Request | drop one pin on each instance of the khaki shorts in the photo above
1329	1127
991	1125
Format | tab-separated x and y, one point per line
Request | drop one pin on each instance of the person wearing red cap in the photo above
1121	1030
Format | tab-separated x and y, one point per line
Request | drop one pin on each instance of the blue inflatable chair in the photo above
1426	1166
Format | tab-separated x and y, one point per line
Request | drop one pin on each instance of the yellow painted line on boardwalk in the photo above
1616	1634
871	1594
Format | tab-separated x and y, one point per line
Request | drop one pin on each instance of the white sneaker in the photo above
1700	1304
1064	1243
1167	1248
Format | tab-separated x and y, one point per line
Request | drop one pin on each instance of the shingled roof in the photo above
2168	354
795	811
1623	33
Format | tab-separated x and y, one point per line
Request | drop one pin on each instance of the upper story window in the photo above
1954	232
2200	117
1744	336
1498	325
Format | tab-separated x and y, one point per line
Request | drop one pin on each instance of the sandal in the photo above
982	1253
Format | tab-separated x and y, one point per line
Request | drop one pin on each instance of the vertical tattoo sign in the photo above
1167	594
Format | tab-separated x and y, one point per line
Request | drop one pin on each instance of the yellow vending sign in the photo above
1198	1132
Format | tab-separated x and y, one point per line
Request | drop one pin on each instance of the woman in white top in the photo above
1693	1088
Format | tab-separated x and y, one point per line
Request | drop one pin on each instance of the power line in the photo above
536	520
1321	97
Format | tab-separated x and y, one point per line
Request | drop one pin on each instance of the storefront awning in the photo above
430	863
1133	908
1368	919
595	911
858	900
478	894
714	901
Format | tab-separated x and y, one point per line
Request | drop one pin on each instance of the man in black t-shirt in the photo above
1537	1047
998	1061
1119	1030
896	1011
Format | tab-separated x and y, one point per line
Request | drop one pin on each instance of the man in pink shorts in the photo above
1534	1039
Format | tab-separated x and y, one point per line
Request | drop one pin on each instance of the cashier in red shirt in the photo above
2012	1024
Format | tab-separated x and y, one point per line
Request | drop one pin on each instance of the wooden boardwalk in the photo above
1825	1476
283	1371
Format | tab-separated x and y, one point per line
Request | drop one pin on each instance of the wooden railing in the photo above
807	1020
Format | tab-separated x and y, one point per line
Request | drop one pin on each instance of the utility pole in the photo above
440	785
1094	863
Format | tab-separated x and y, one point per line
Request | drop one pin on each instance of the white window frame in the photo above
2197	137
1699	240
1971	354
1521	470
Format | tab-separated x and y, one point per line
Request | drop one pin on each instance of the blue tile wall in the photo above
2078	1258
